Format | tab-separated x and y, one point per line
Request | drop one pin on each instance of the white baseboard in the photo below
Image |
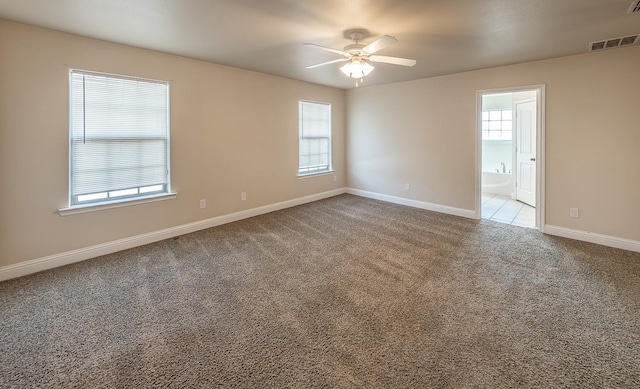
414	203
592	237
585	236
61	259
56	260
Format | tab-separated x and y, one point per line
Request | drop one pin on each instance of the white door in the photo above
526	151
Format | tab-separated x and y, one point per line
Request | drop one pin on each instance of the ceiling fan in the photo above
358	55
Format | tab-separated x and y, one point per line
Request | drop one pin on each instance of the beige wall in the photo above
231	131
423	133
234	130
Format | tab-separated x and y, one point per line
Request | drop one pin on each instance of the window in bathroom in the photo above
497	124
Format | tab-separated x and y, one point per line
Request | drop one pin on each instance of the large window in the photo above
314	138
497	124
119	146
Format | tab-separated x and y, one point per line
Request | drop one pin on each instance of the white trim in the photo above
414	203
116	204
592	237
114	75
322	173
56	260
541	171
540	149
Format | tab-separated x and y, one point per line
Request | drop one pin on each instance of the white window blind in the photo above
315	138
119	137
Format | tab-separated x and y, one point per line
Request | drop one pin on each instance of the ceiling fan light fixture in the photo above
357	68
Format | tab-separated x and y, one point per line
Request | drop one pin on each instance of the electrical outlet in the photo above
203	203
573	212
335	178
243	196
407	186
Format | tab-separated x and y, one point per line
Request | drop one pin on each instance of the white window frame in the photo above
312	170
116	197
499	122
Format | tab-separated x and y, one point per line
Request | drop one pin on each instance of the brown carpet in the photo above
344	292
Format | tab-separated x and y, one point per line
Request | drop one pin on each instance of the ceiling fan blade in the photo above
379	44
392	60
328	49
327	63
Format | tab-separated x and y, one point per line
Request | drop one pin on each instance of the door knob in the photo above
532	159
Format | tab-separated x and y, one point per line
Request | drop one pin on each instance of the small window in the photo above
496	124
314	138
119	138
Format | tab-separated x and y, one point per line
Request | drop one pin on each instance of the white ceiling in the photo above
444	36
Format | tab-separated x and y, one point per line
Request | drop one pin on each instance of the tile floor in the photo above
505	210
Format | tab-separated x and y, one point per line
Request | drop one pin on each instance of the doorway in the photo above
510	149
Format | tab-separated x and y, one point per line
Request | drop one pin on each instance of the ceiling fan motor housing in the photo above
354	48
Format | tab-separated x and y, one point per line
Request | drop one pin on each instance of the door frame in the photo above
540	148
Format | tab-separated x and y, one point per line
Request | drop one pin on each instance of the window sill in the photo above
315	174
95	207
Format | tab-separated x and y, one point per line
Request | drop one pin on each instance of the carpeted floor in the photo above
344	292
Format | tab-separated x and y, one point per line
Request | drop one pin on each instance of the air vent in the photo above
635	7
615	42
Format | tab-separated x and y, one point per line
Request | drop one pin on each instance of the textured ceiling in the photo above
444	36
